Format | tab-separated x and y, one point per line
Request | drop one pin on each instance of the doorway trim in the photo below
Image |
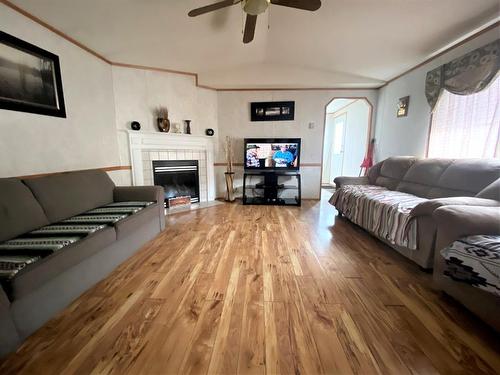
368	135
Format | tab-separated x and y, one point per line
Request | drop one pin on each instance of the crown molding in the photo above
196	77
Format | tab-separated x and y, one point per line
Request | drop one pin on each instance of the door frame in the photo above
368	135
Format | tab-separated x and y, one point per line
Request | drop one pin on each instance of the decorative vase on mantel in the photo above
188	126
162	119
163	124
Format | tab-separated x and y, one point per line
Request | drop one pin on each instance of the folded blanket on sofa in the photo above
386	213
475	260
25	250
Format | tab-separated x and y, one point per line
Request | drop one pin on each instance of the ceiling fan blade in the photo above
311	5
249	28
212	7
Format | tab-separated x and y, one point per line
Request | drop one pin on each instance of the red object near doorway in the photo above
368	160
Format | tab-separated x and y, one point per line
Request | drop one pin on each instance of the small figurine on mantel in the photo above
162	119
188	126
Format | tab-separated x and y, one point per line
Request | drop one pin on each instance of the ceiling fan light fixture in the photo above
255	7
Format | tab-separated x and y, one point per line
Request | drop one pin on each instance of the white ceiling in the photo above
346	43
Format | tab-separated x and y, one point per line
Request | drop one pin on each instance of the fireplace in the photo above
178	177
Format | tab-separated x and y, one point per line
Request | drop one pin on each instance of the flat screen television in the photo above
272	154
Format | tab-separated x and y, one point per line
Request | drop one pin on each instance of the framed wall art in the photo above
30	78
403	106
272	111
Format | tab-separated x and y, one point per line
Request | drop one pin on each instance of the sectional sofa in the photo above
397	198
61	234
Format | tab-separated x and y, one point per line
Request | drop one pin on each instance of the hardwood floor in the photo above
237	289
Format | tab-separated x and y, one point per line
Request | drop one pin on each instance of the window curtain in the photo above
466	126
466	75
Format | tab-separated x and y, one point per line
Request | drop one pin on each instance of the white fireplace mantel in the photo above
140	141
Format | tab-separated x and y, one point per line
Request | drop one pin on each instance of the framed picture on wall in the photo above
403	106
272	111
30	78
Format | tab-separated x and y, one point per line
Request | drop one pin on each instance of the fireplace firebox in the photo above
178	178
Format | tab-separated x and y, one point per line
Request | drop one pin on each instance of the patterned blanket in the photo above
381	211
21	252
475	260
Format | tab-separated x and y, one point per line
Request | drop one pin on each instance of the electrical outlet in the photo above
311	125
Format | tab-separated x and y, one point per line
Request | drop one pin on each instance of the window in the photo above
466	126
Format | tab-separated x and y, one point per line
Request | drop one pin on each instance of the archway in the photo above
346	135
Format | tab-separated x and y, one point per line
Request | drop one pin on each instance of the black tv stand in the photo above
268	191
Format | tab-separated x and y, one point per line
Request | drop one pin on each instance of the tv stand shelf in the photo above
269	190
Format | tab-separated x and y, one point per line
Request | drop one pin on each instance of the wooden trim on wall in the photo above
105	169
300	89
144	67
306	165
54	30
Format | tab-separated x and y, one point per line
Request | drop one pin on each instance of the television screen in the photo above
264	153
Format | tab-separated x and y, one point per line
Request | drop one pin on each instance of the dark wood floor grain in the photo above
237	289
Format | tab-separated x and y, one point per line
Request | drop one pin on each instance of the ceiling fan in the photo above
255	7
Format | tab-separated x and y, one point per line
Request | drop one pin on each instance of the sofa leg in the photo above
426	270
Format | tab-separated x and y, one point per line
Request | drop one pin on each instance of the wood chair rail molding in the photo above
105	169
196	77
305	165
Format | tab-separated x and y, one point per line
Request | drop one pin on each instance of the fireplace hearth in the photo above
178	178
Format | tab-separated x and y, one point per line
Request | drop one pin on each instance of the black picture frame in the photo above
272	111
30	78
403	105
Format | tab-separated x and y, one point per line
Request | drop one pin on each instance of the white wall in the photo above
31	143
408	135
310	105
139	92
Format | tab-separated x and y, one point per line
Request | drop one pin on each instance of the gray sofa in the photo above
41	289
437	182
459	223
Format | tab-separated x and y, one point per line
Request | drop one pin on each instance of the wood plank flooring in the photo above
237	289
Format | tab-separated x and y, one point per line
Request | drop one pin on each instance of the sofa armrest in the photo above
454	222
428	207
143	194
139	193
344	180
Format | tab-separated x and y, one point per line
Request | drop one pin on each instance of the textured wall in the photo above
138	92
31	143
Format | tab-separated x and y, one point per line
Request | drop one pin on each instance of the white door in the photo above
337	149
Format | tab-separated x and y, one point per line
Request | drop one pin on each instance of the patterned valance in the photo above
465	75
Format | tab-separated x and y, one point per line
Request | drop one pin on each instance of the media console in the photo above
269	190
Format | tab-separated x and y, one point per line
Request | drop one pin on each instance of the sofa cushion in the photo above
68	194
52	265
19	210
466	177
422	176
128	225
393	170
492	191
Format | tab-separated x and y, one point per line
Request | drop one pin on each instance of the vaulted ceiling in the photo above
346	43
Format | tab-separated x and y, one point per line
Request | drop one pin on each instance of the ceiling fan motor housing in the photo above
255	7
